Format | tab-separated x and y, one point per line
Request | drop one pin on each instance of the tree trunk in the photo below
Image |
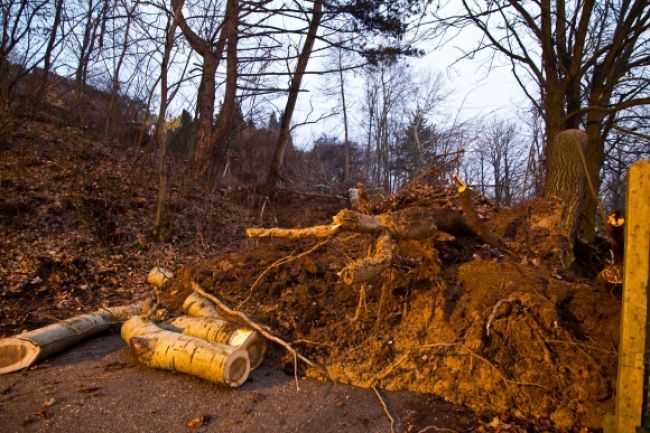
555	118
346	138
161	134
565	179
205	99
595	156
203	150
47	58
223	128
115	82
303	59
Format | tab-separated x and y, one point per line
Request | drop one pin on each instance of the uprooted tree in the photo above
432	291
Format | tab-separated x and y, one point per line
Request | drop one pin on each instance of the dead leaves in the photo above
198	421
41	415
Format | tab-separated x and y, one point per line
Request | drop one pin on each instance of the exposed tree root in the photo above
366	269
494	312
384	406
362	303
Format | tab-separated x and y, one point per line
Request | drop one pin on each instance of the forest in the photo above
442	259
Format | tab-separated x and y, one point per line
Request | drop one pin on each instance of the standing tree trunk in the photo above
161	130
205	99
203	148
93	24
294	89
346	138
565	180
47	58
223	128
115	82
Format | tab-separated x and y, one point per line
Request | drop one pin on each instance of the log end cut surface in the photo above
253	343
237	368
16	354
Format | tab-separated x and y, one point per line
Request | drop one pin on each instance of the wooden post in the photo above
634	313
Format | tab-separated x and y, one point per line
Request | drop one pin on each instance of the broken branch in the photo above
467	204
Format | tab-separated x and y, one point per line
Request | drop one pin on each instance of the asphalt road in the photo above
97	386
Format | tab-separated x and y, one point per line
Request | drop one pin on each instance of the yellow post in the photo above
634	313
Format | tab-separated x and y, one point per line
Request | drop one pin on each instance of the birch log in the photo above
158	348
225	332
23	350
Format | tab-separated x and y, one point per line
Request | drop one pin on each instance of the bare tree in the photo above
49	49
16	22
130	11
94	19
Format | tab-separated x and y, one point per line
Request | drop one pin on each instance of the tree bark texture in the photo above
223	128
566	180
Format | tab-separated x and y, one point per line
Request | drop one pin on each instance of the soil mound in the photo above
498	332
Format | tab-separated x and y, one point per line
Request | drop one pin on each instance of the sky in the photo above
476	88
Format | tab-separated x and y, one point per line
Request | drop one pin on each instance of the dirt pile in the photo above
497	332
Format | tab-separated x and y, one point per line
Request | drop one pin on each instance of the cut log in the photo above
23	350
615	228
196	305
224	332
359	199
158	277
158	348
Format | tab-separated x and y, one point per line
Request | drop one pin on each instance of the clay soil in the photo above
513	338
